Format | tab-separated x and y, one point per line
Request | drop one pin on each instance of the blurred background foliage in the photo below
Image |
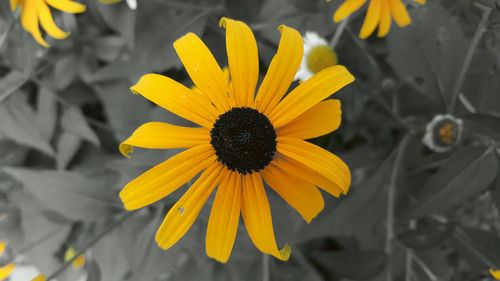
412	214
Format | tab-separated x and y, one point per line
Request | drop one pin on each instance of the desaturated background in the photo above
412	213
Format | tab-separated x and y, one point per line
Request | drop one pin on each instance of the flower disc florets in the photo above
244	140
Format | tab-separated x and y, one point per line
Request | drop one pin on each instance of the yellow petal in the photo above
158	135
385	20
321	119
110	1
47	21
203	69
243	60
13	5
67	6
318	159
6	271
79	262
495	274
293	167
310	93
257	217
372	18
183	214
29	21
224	218
421	2
347	8
281	71
39	277
399	13
176	98
298	193
167	177
3	246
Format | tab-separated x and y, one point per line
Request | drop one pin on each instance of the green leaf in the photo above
483	124
11	82
70	194
19	124
158	26
67	146
429	53
46	114
466	173
425	237
353	265
478	247
74	122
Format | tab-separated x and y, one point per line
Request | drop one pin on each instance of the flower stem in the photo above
338	33
265	267
106	231
391	197
470	53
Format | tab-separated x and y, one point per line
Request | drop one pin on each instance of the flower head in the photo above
241	140
36	13
380	14
443	132
318	55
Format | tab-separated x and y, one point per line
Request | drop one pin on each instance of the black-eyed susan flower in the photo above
495	274
242	139
443	132
380	14
36	13
6	264
318	55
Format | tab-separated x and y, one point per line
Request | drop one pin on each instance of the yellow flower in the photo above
495	274
242	139
79	262
380	13
36	13
318	55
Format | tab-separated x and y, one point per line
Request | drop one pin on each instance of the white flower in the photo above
318	54
443	132
132	4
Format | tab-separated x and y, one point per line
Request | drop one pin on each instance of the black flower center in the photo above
244	140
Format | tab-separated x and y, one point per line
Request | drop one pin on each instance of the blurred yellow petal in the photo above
318	159
298	193
310	93
495	274
321	119
6	270
203	69
347	8
67	6
385	20
79	262
257	217
282	70
421	2
13	5
158	135
399	13
372	18
3	246
224	218
47	21
39	277
243	60
167	177
183	214
176	98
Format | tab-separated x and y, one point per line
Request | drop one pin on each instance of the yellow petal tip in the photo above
222	22
495	274
39	277
285	252
126	149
